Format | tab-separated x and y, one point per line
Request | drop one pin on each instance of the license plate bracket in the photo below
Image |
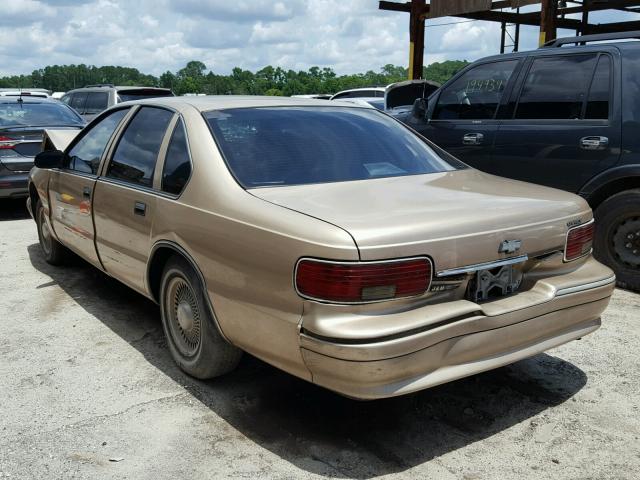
493	283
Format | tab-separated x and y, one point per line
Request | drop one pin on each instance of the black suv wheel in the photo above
617	242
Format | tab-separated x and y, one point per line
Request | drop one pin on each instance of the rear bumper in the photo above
455	344
14	185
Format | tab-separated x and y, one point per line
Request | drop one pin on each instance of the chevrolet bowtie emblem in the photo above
510	246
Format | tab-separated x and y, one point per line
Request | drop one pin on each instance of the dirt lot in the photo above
85	379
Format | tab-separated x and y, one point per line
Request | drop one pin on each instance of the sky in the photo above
154	36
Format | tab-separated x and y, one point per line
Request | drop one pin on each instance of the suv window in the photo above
78	100
476	94
134	160
85	155
556	87
598	100
177	166
96	102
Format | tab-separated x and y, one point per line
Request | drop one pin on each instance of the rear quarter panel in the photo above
246	248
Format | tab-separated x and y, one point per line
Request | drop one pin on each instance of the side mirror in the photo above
49	159
420	108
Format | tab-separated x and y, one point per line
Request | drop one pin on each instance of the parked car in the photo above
359	92
375	102
24	92
22	122
319	96
93	99
329	240
563	116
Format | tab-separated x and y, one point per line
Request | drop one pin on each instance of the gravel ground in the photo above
88	390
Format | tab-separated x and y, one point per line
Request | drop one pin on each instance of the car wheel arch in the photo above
610	183
33	198
160	254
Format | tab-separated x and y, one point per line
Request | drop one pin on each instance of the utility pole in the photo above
548	16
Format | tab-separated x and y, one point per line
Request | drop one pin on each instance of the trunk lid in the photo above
403	94
19	146
457	218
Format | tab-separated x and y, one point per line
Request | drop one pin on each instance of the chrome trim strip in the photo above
482	266
566	240
586	286
356	262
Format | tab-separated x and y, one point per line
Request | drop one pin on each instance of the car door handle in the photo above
472	138
86	192
594	143
140	208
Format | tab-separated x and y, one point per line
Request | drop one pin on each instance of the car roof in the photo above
117	88
219	102
28	99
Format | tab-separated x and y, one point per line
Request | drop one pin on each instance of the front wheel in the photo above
194	341
54	252
617	240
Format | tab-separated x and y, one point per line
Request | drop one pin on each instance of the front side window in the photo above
177	165
556	87
134	159
300	145
96	102
476	94
85	155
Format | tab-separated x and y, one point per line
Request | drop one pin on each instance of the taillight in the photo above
362	282
579	241
7	142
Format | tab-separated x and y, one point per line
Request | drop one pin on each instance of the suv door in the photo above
560	130
463	119
125	196
71	187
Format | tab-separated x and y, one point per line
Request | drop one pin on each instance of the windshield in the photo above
125	96
17	114
301	145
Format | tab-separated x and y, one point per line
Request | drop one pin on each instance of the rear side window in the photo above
556	87
96	102
598	101
476	94
177	165
78	101
134	159
274	146
85	155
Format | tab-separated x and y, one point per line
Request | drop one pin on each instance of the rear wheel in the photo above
617	242
194	341
54	252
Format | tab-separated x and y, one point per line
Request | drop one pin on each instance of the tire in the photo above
54	252
617	239
192	335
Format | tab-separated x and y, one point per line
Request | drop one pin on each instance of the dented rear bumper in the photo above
388	353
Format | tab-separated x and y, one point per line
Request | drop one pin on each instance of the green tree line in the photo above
194	78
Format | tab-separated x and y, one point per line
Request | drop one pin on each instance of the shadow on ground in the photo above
315	429
13	209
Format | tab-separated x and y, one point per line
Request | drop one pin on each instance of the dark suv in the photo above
567	116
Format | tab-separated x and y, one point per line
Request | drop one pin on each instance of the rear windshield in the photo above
126	95
300	145
16	114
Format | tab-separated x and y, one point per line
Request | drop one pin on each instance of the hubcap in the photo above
183	316
626	242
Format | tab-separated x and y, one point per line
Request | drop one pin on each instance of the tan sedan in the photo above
328	240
